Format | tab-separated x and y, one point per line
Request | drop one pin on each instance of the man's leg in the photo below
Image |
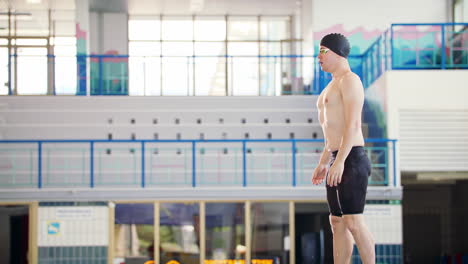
342	241
362	236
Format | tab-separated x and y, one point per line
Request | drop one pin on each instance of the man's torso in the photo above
332	116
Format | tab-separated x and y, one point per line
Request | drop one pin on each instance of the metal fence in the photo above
175	163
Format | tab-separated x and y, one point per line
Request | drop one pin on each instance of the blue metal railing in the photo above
401	47
409	47
430	46
108	163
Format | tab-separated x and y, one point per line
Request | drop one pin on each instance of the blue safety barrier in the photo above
152	163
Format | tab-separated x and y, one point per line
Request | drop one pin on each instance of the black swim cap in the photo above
337	43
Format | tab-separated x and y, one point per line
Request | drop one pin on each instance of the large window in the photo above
210	55
179	234
225	231
42	52
134	232
270	231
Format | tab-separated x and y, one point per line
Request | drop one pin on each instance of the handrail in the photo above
291	155
390	50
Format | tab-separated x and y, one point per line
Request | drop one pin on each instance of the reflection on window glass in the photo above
210	28
243	28
3	71
225	231
270	231
179	233
32	71
177	28
134	232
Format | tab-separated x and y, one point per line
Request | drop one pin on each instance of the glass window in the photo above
3	71
179	233
32	70
270	68
31	42
242	28
243	71
145	75
134	233
204	37
65	28
270	231
144	29
63	41
210	70
243	76
177	48
65	75
65	65
144	48
210	28
177	76
177	28
36	24
274	28
4	26
225	231
210	76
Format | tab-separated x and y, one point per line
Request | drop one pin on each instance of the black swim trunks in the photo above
349	197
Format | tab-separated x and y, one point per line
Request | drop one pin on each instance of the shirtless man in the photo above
344	162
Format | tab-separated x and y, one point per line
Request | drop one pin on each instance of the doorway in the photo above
14	234
314	244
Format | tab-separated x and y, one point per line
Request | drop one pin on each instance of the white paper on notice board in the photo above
73	226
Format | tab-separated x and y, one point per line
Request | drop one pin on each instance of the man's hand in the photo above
319	174
335	173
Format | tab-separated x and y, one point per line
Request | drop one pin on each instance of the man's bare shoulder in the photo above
351	80
351	77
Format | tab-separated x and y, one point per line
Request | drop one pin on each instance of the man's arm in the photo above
352	94
325	156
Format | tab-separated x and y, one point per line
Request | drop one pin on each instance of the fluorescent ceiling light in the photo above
33	1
